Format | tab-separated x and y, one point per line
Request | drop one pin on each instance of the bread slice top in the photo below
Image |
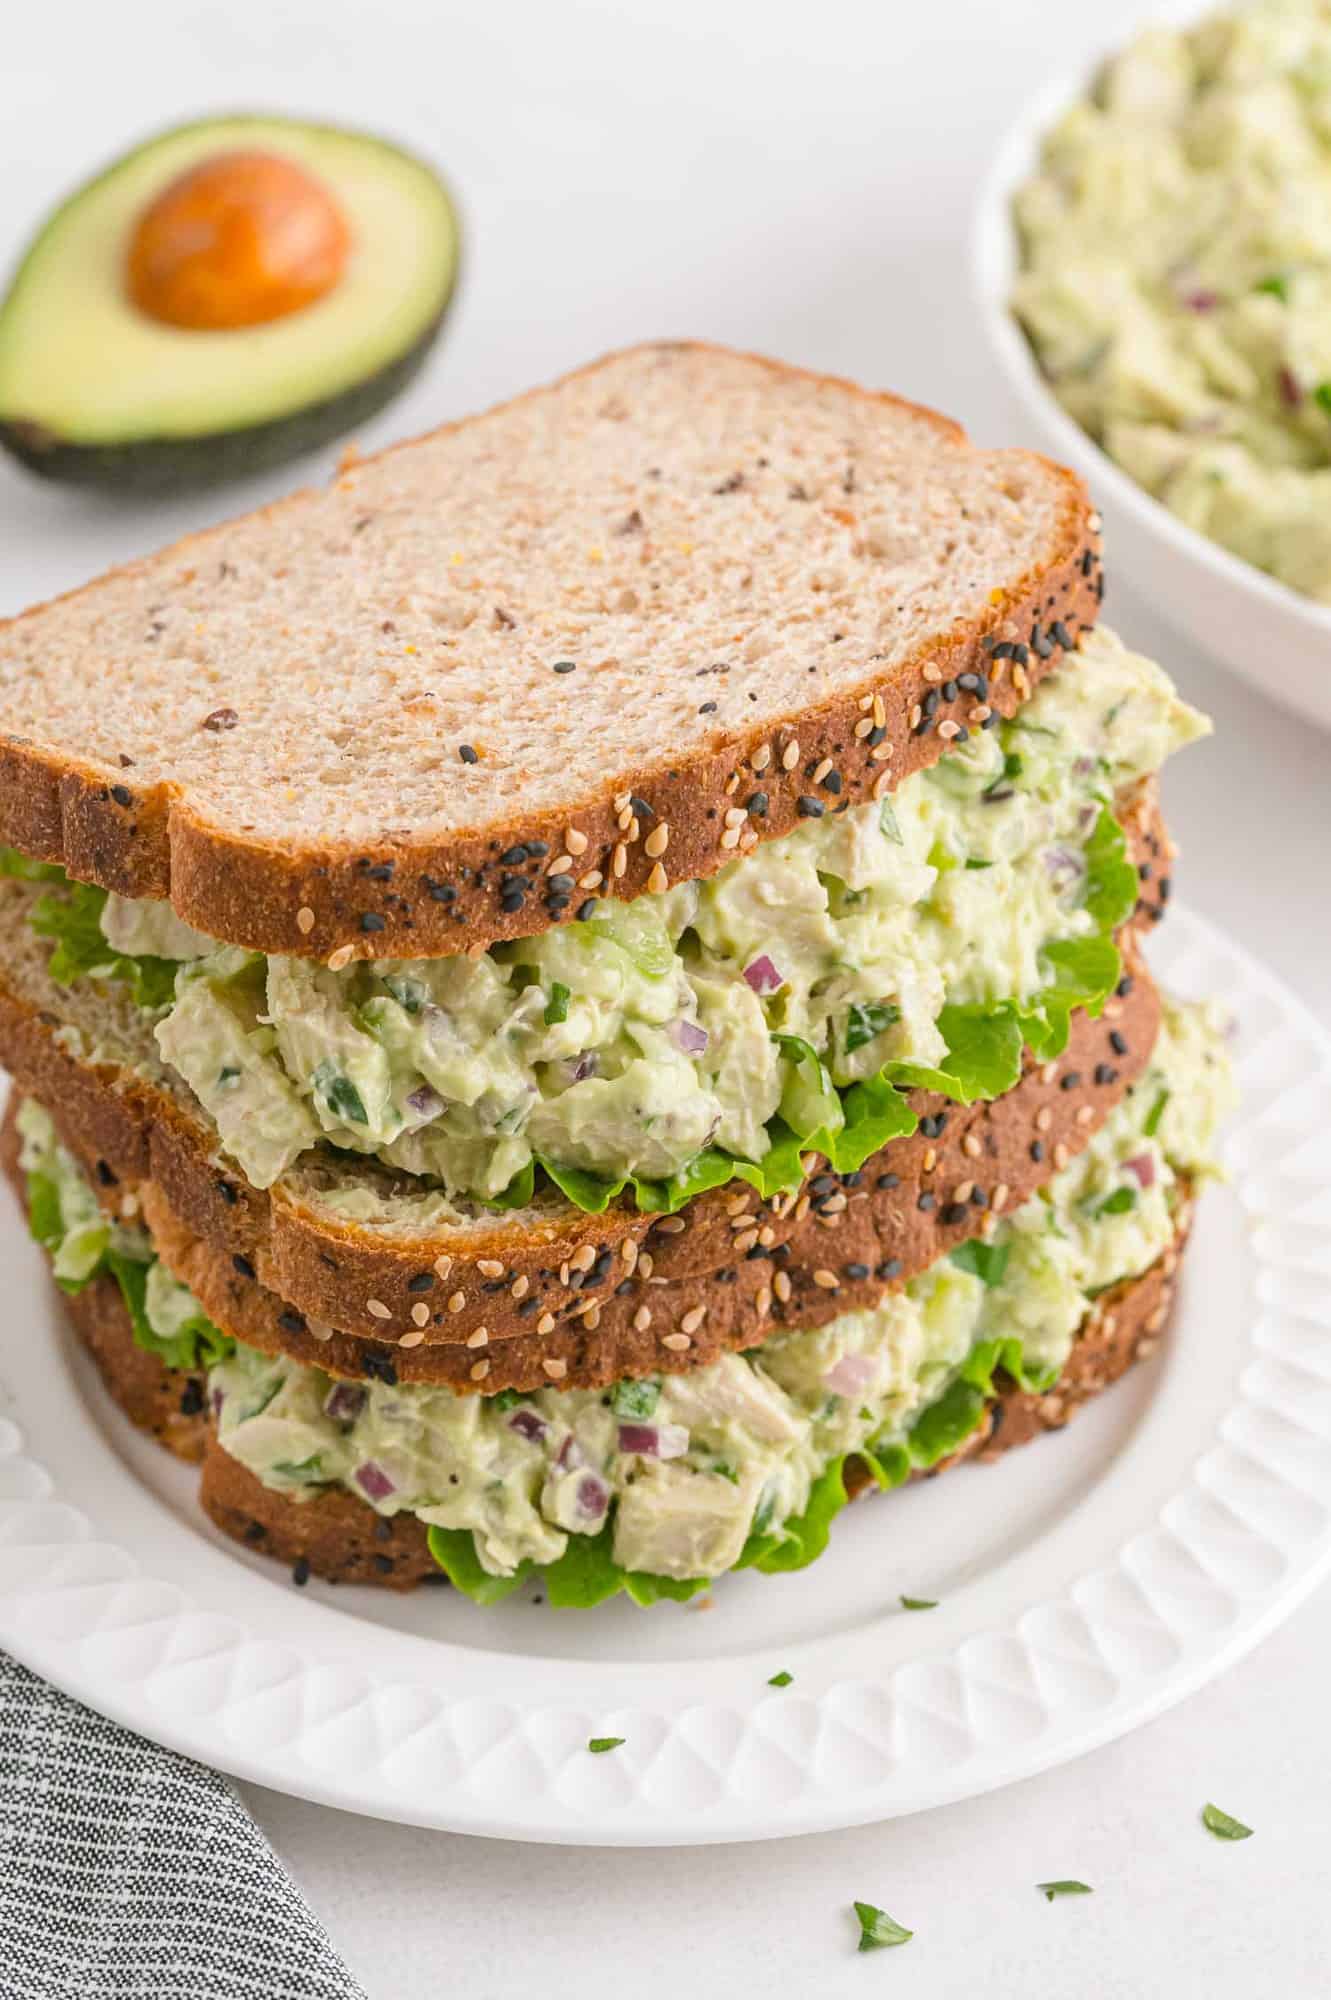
610	632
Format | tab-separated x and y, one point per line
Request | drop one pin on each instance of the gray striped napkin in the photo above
129	1873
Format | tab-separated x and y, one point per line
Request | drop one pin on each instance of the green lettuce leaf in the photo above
454	1549
72	921
22	867
197	1344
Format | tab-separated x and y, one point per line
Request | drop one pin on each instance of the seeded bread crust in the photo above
504	1275
833	1253
674	815
338	1538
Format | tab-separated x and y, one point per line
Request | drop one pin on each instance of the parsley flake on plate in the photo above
1223	1826
877	1929
1051	1889
599	1744
918	1603
781	1680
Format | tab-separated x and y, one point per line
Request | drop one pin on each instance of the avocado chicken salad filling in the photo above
676	1041
657	1486
1176	282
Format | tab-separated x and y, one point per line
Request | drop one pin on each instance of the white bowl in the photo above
1279	641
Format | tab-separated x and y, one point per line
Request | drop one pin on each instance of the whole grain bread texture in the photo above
337	1537
587	644
431	1271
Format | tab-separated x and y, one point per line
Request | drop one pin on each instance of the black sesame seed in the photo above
442	892
513	857
1004	650
1061	635
1118	1043
1070	1080
949	690
852	1180
875	737
527	1308
809	808
640	808
1105	1073
255	1532
832	783
384	1564
991	721
857	1271
104	1174
932	1127
191	1398
512	900
1144	871
243	1265
228	1193
969	682
560	882
383	1530
300	1572
122	795
586	911
979	1199
1087	561
1124	986
291	1321
955	1211
625	1288
1163	887
371	921
707	708
756	805
962	735
824	1184
421	1281
1037	1150
886	1181
922	726
926	1201
1040	645
536	848
378	1366
929	706
565	666
467	754
889	1268
1020	655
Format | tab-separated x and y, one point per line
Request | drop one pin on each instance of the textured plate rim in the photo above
95	1619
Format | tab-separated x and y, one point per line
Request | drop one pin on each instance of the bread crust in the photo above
414	897
117	1122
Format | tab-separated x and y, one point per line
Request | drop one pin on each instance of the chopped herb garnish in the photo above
1223	1826
868	1019
635	1399
972	862
878	1929
340	1094
1118	1203
986	1261
918	1603
781	1680
888	824
556	1007
1277	285
1051	1889
1155	1114
1322	397
598	1745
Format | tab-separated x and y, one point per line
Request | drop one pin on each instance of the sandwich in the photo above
575	1000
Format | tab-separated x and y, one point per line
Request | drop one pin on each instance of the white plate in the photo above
1259	628
1085	1582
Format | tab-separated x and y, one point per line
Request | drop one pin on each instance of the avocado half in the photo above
94	391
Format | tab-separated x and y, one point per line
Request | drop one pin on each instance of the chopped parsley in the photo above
918	1603
635	1399
781	1680
868	1019
888	824
1120	1202
877	1929
1223	1826
1051	1889
598	1745
556	1007
1155	1114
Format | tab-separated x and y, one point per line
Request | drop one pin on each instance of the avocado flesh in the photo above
94	391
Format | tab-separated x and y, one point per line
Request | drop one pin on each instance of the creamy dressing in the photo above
686	1466
1177	277
629	1043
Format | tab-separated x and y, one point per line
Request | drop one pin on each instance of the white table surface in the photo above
797	179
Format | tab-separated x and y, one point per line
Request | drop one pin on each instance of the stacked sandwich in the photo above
574	1000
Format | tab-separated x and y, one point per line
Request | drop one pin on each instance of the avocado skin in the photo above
159	466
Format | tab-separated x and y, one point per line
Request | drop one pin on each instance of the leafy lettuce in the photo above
72	921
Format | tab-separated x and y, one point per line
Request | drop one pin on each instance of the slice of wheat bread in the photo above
86	1053
833	1252
591	623
335	1536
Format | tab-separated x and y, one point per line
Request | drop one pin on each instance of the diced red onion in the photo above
654	1440
1291	391
1142	1169
218	1400
688	1036
1065	866
425	1102
529	1425
578	1068
569	1455
849	1375
373	1481
1201	301
763	976
592	1496
344	1401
